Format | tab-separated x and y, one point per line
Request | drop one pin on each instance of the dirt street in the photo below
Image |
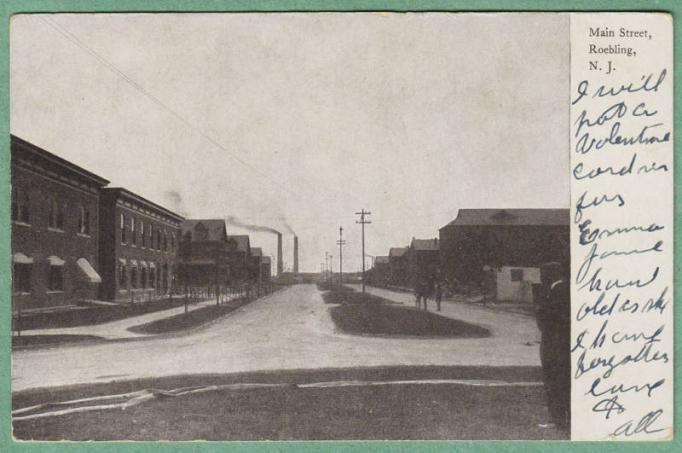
290	329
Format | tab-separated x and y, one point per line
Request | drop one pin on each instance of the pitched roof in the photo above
381	260
256	251
242	241
215	229
397	251
548	217
425	244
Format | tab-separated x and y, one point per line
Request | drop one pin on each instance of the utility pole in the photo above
363	222
326	266
341	243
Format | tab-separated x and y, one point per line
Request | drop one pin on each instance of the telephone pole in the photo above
326	266
341	243
363	222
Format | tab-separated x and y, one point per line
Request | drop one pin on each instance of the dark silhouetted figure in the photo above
554	320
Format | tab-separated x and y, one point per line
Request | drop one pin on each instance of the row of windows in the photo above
21	212
142	277
145	235
23	273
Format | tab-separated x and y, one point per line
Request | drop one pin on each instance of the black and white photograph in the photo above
290	226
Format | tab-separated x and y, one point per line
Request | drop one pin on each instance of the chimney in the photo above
296	254
280	264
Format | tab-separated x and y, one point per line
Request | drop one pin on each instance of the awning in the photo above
152	265
89	271
133	262
55	261
143	263
20	258
122	261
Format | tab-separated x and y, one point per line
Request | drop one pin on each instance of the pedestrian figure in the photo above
438	294
553	318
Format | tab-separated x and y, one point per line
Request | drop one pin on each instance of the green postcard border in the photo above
10	7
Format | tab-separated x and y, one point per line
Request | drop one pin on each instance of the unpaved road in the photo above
290	329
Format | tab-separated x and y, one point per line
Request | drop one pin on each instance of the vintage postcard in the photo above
341	226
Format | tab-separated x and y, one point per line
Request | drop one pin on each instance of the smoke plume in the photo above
175	201
286	225
232	220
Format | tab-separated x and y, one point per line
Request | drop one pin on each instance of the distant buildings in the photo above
423	259
240	257
498	251
398	267
75	240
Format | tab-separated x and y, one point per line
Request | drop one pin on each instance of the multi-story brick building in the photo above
139	242
239	247
54	229
501	250
423	260
204	253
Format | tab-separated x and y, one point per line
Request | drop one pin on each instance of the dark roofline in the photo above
509	210
125	193
58	160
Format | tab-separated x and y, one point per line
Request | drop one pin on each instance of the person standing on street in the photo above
553	317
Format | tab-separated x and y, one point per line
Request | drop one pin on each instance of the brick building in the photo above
204	253
501	249
423	259
139	243
54	216
398	266
265	268
255	262
239	247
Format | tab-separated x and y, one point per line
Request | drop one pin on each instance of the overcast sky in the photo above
304	119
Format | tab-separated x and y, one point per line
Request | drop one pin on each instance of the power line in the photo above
75	40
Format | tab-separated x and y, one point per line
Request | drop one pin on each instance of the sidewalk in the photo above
116	330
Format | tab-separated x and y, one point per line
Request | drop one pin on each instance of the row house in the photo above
203	256
54	215
140	243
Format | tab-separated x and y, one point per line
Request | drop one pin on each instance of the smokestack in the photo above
280	263
296	254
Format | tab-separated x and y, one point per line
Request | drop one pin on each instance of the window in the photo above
517	275
133	277
122	274
151	236
56	215
143	277
165	242
22	277
123	229
83	220
152	277
158	239
142	235
20	206
133	237
55	278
